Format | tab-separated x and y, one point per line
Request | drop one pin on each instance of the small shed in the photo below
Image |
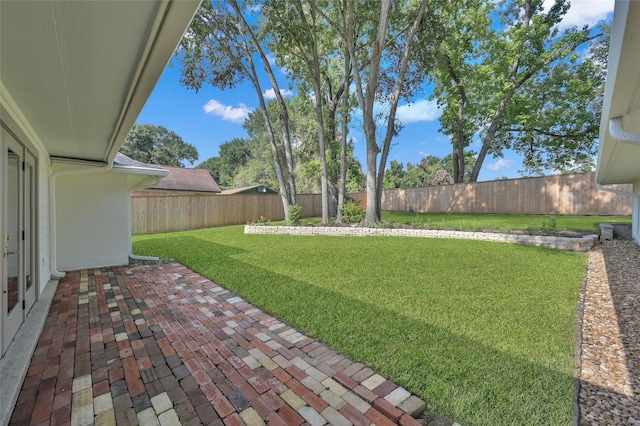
254	189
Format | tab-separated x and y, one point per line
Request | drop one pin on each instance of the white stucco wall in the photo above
44	260
92	213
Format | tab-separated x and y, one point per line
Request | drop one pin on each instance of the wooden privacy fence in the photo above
167	213
566	194
574	194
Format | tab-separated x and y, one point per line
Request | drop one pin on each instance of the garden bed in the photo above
573	243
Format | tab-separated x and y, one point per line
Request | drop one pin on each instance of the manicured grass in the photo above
484	332
480	222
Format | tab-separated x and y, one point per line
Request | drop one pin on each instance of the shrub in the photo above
263	221
295	215
351	212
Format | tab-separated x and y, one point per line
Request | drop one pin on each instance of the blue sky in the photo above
211	117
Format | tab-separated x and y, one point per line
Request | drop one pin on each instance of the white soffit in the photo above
619	161
80	71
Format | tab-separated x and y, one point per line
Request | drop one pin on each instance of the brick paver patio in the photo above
160	344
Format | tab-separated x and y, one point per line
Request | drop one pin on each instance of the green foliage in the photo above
232	156
262	221
431	170
352	211
157	145
394	175
303	128
506	223
486	336
544	226
514	80
294	216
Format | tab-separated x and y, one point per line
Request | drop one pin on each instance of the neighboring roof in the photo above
619	149
140	175
253	189
75	75
182	179
124	163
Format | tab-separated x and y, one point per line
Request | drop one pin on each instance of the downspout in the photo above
620	134
55	274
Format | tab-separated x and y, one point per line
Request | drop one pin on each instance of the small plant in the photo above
263	221
351	212
543	227
416	222
460	226
294	218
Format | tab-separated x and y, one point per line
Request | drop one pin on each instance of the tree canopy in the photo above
158	145
503	73
511	77
243	162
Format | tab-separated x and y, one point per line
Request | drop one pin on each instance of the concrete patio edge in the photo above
16	361
584	243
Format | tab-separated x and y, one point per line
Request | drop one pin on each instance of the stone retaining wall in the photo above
563	243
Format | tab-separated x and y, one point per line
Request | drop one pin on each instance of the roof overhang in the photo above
76	74
619	149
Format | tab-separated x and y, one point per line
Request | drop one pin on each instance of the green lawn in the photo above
484	332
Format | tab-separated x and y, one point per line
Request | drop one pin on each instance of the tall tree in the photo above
303	128
469	160
559	127
300	37
379	39
483	74
231	156
158	145
221	47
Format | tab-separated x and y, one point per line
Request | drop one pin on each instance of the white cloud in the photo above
227	112
422	110
501	164
423	154
271	58
271	93
583	12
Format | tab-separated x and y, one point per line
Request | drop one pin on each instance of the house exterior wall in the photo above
92	214
43	221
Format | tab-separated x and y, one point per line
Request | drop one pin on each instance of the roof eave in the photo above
619	147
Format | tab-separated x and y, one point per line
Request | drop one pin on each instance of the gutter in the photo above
615	191
617	132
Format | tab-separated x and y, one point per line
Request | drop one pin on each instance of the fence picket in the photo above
574	194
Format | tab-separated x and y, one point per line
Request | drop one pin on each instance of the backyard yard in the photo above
484	332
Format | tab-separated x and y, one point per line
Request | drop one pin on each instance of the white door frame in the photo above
18	235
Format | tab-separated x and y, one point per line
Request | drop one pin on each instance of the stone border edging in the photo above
583	244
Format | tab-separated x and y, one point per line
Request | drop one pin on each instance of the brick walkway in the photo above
162	345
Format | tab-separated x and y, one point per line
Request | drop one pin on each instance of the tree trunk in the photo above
284	114
404	63
343	137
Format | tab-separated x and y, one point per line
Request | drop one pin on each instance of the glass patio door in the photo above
17	271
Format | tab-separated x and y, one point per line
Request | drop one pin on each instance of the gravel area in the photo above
610	337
